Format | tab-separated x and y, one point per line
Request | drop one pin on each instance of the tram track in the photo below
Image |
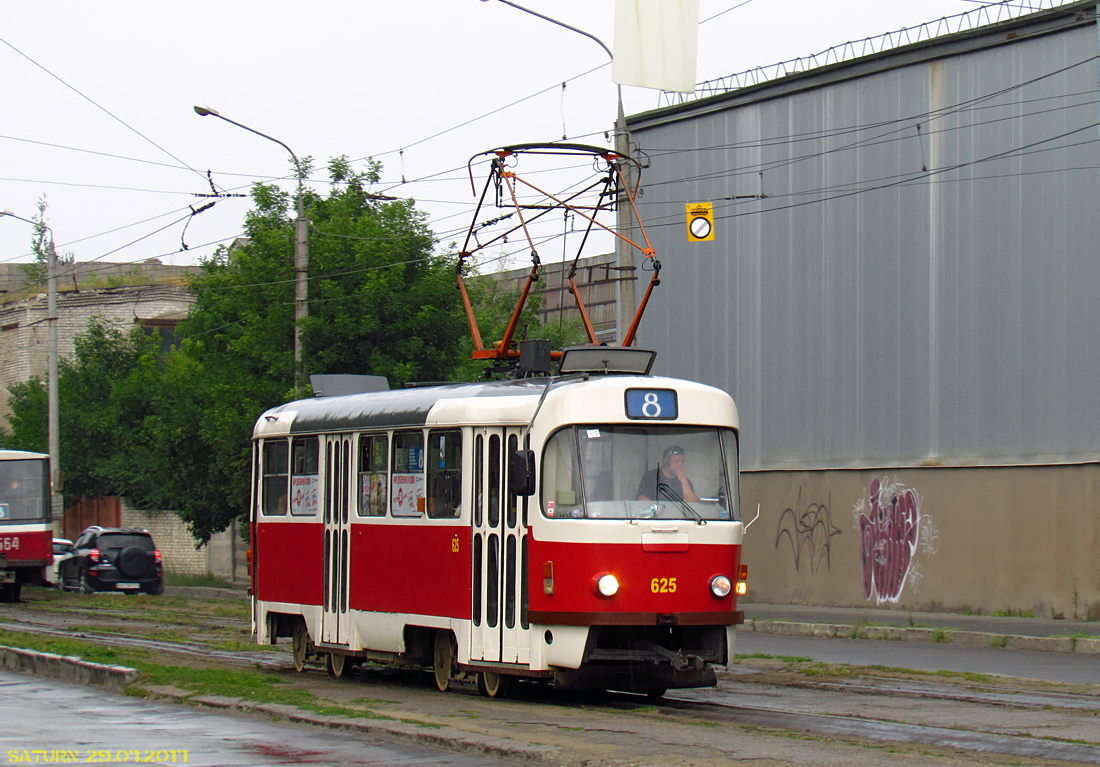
1002	717
898	732
266	659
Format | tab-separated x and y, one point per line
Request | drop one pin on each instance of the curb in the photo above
67	668
426	734
1085	645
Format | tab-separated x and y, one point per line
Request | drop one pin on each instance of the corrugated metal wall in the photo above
866	312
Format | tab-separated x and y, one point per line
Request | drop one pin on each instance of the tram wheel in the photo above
443	659
300	644
337	664
493	685
656	694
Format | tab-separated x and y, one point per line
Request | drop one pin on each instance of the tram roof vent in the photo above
606	359
534	357
338	384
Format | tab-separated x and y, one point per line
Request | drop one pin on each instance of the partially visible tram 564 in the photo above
26	534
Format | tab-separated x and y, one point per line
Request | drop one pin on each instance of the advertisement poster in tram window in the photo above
374	495
303	495
408	495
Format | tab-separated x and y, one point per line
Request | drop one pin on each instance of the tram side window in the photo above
561	495
444	473
407	474
276	463
23	490
373	474
304	482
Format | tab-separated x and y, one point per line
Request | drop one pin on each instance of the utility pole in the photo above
53	415
53	406
301	244
624	225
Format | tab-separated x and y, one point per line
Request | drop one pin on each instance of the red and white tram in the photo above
527	528
26	534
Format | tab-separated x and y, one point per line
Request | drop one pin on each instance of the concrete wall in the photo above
24	331
991	539
221	556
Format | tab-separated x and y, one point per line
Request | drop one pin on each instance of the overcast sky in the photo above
97	99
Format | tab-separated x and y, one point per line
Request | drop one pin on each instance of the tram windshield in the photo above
602	471
22	490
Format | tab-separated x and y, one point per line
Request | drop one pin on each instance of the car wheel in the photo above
85	587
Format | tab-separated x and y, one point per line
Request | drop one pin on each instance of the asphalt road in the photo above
44	721
1068	668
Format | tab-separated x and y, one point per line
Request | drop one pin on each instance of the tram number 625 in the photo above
663	585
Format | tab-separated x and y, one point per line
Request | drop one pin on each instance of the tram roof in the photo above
387	409
20	455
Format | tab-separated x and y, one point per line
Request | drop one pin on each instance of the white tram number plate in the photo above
651	404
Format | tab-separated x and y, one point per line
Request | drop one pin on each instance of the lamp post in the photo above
301	243
624	224
53	407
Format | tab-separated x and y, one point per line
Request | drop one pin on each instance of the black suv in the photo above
113	559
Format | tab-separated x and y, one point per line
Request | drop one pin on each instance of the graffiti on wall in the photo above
809	530
891	529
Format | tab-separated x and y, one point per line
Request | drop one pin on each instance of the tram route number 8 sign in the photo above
651	404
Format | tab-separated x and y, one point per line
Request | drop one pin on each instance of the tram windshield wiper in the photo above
673	496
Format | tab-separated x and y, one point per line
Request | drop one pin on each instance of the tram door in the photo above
499	552
336	497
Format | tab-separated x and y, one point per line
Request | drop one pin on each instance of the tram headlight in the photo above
720	586
607	585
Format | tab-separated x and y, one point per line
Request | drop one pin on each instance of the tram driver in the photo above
672	473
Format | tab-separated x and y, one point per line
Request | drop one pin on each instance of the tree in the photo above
105	392
173	431
41	242
380	303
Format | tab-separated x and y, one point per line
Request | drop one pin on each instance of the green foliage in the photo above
173	431
105	391
41	243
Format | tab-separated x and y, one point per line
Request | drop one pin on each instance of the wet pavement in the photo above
46	721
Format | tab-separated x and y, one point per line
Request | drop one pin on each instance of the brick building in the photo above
150	295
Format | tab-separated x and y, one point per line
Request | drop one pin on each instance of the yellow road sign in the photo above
700	221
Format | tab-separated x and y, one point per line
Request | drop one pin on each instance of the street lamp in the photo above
53	408
301	244
624	222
